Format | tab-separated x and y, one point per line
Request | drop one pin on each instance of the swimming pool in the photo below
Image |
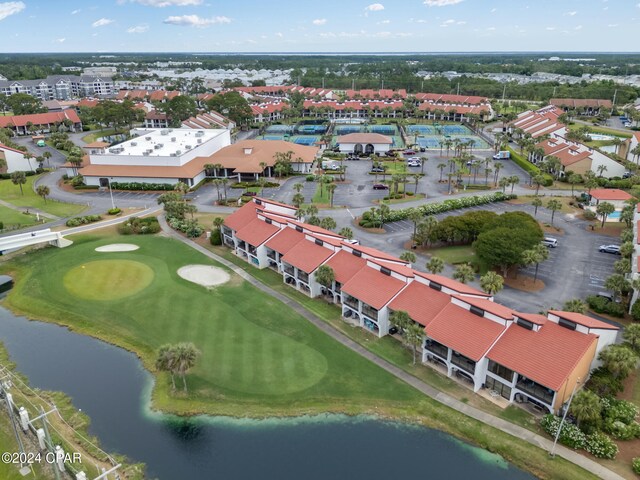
597	136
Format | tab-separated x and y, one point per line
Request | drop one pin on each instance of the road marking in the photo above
351	214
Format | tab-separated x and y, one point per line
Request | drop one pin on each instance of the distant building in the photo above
100	71
60	87
15	161
43	122
583	106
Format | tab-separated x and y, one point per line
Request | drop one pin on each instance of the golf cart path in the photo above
443	398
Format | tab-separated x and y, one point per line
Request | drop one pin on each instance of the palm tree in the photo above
19	178
298	187
573	180
464	273
535	255
346	232
539	181
631	336
47	156
218	222
400	319
185	356
617	284
409	257
586	408
554	205
383	211
497	167
43	191
165	362
536	202
297	200
504	183
413	335
330	189
441	167
435	265
416	178
325	276
575	305
601	169
514	180
491	283
619	360
605	209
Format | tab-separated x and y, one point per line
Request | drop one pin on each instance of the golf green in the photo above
107	279
258	356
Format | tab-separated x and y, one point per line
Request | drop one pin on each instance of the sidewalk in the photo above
428	390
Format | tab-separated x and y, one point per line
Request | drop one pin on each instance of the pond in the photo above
112	387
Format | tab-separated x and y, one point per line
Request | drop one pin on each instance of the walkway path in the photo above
428	390
28	209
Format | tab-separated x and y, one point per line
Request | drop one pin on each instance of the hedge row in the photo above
7	176
139	226
369	219
142	186
523	163
603	305
77	221
597	444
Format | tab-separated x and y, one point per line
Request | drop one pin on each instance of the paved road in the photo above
498	423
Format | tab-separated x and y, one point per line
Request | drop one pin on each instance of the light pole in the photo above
113	205
555	440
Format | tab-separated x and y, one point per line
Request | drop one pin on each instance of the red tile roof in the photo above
610	194
488	306
257	232
463	331
451	284
581	319
533	317
307	256
345	265
4	147
241	217
547	356
372	287
394	267
39	118
422	303
285	240
374	252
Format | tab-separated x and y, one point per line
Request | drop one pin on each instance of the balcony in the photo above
536	390
350	301
242	245
252	250
370	312
303	277
437	349
271	254
463	362
288	269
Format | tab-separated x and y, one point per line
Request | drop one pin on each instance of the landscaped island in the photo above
259	357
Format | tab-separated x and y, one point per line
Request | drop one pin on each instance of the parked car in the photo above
608	296
393	330
380	186
615	249
414	163
409	152
628	124
627	175
377	170
249	194
550	242
423	149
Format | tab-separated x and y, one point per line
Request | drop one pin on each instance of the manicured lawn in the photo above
322	195
8	443
93	136
396	167
258	357
11	193
458	254
12	218
603	130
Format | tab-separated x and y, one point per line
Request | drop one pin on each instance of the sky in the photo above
319	26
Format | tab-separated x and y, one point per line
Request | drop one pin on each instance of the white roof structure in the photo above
164	142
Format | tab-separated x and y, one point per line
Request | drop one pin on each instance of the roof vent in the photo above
248	150
173	139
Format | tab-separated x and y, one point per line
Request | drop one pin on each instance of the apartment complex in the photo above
60	87
520	357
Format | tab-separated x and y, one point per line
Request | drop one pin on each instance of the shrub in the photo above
548	180
621	410
143	186
114	211
603	305
139	226
635	311
216	238
523	163
589	215
77	221
189	227
310	178
77	181
571	436
601	446
635	465
1	226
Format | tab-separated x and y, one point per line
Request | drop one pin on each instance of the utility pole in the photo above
555	440
458	92
382	87
49	443
504	91
353	84
613	104
322	82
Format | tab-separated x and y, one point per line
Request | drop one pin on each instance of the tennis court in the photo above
311	129
281	129
455	130
305	139
384	129
272	137
421	130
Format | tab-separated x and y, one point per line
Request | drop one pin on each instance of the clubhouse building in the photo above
519	357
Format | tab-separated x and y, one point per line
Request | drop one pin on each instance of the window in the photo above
258	201
567	324
476	311
385	271
525	324
357	253
319	242
268	220
298	229
435	286
499	370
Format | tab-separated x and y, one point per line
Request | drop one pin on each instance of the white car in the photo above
414	163
628	124
550	242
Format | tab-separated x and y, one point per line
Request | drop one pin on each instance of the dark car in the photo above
380	186
409	152
393	330
249	194
423	149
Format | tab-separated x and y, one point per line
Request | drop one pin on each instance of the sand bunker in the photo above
204	275
118	247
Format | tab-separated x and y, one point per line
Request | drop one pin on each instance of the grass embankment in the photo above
93	136
11	193
8	443
259	357
322	197
14	219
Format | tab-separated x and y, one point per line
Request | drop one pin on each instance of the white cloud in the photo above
611	25
138	28
461	22
319	21
551	29
493	10
10	8
491	29
374	7
440	3
102	22
164	3
195	21
571	14
384	22
60	40
578	27
75	12
279	34
449	22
